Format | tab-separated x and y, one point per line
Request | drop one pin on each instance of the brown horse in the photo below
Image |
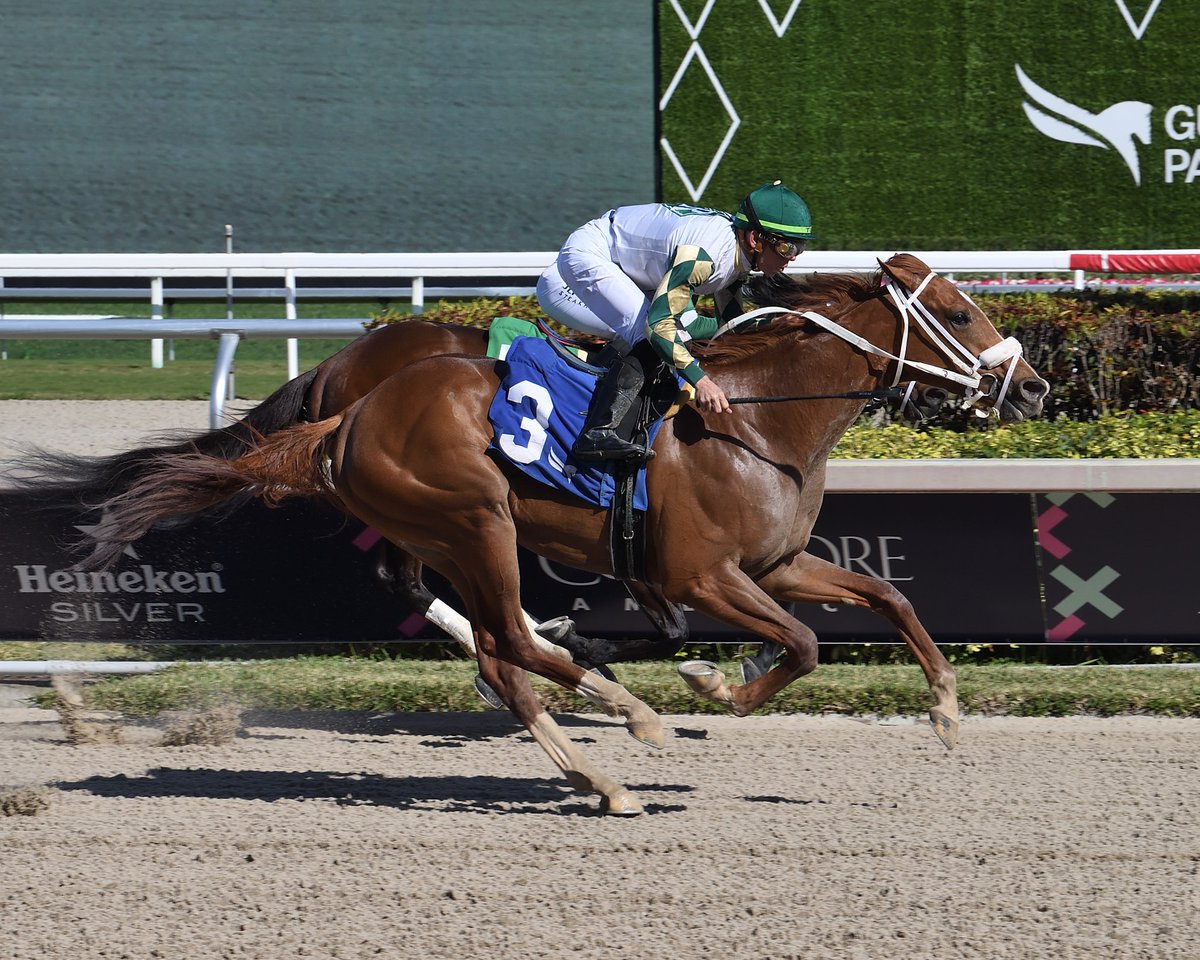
56	479
73	481
411	460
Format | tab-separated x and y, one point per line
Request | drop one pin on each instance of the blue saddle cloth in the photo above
536	415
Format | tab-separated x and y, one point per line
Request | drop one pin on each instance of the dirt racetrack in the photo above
451	836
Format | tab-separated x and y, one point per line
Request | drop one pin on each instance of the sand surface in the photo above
452	836
97	426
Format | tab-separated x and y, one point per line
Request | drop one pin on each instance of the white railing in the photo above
415	268
388	276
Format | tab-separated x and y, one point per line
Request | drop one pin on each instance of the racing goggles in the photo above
783	246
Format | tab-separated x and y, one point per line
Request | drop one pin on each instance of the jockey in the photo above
634	274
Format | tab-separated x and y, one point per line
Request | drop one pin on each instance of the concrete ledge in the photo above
1013	476
995	476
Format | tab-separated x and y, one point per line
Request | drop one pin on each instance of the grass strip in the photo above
330	683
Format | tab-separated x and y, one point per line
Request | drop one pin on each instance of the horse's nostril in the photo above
936	395
1034	388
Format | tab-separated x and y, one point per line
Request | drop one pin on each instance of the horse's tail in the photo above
288	463
51	479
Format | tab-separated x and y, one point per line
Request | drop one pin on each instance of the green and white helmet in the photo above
773	208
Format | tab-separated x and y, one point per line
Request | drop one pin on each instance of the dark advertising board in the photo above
967	562
258	576
1120	568
1013	567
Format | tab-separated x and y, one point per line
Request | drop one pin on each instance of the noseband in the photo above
968	365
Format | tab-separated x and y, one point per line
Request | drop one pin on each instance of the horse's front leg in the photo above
809	579
728	595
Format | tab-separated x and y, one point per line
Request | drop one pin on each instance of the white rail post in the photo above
222	379
418	295
156	313
289	311
229	272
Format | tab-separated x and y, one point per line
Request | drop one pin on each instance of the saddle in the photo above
663	396
546	384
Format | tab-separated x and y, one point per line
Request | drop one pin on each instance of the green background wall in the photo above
903	126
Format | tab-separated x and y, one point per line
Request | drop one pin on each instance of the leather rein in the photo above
910	308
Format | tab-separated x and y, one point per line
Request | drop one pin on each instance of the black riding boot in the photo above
614	396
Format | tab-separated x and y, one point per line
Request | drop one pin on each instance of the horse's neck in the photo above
802	432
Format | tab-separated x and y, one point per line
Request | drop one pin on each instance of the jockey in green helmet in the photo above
632	276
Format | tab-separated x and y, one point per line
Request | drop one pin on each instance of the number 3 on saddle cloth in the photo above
539	410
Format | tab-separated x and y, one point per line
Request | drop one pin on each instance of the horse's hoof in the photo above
620	804
945	726
648	732
556	629
487	694
701	675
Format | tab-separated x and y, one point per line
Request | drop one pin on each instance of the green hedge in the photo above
1147	435
1124	369
1105	352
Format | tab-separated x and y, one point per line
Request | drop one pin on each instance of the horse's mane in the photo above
829	294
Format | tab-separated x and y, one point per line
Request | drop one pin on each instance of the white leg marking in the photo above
454	623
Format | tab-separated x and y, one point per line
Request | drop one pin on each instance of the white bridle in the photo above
966	365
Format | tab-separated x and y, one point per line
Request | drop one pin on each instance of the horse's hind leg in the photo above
809	579
402	574
667	618
512	683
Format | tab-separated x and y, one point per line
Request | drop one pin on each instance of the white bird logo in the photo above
1117	127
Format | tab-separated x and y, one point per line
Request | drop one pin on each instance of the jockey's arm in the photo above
672	320
728	304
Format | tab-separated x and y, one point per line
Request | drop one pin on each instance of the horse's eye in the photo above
960	319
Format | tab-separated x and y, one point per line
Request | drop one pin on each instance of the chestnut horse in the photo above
411	460
75	481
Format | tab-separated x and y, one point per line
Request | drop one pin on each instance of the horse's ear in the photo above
887	270
893	270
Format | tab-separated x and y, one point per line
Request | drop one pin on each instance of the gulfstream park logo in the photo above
1115	128
1121	126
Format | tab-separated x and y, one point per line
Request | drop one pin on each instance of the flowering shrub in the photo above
1148	435
1104	351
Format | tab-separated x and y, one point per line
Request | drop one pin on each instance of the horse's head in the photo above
944	338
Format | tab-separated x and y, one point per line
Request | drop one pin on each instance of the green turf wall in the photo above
904	125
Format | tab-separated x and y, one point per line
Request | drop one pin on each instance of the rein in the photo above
910	308
879	395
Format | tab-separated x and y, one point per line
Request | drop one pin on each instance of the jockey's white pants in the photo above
585	290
